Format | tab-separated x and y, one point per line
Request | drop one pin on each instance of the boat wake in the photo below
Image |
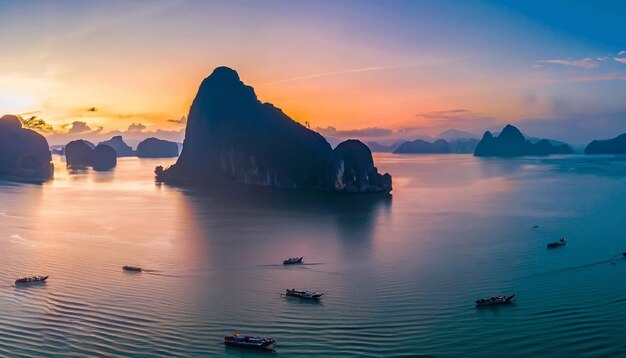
611	260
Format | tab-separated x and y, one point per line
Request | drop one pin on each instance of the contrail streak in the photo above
326	74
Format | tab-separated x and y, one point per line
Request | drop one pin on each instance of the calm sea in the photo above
399	274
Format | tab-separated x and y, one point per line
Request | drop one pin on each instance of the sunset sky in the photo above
377	70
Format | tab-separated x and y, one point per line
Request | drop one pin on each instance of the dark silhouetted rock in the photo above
78	154
423	147
103	157
121	148
512	143
616	145
545	147
157	148
232	137
24	153
354	169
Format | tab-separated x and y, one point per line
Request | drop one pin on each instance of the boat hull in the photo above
24	281
268	347
502	300
251	342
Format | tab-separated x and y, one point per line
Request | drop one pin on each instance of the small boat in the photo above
31	279
248	341
559	243
494	300
293	260
132	268
303	294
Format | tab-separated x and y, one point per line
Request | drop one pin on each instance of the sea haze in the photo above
400	274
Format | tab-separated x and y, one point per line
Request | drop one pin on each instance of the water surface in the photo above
400	274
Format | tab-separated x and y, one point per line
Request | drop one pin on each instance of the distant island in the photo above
147	148
81	154
616	145
449	141
157	148
121	148
378	147
24	153
439	146
422	146
232	137
512	143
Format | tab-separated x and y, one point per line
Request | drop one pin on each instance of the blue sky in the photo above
555	68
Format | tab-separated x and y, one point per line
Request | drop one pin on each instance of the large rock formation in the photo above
24	153
157	148
354	170
616	145
121	148
103	157
78	154
232	137
423	147
512	143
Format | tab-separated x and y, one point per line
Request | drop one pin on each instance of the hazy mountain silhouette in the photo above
157	148
463	145
454	134
377	147
24	153
615	145
232	137
423	147
512	143
121	148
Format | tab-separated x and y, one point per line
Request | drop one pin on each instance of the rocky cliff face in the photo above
354	171
232	137
24	153
616	145
157	148
512	143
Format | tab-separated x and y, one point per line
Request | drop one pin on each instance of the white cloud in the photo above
586	62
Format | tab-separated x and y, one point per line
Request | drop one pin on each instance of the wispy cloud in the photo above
611	76
438	61
586	62
620	59
334	73
182	120
357	133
